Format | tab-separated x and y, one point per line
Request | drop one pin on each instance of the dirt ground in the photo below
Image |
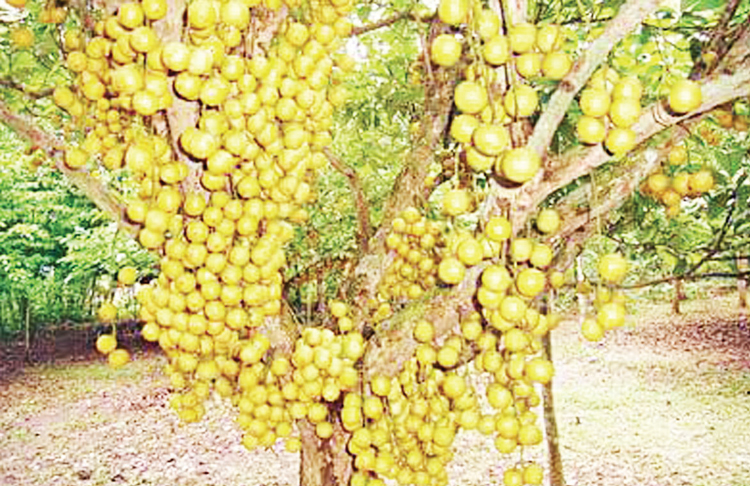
663	402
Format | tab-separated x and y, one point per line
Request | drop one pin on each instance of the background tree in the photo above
204	139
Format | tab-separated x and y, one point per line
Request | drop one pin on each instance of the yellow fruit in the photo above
130	15
491	139
701	182
456	202
611	315
556	65
446	50
76	158
612	267
451	270
498	229
591	130
470	97
520	249
685	96
594	102
423	331
154	9
496	50
539	370
521	101
522	37
462	127
127	276
487	24
678	155
530	282
548	221
118	358
22	37
453	12
519	165
592	330
620	141
529	64
658	183
541	256
470	252
201	14
624	112
629	87
548	37
106	343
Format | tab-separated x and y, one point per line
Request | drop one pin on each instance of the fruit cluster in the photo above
413	270
669	190
486	106
609	302
610	107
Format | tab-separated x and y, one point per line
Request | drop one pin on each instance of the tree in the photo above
224	122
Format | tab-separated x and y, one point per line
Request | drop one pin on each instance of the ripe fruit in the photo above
591	130
556	65
624	112
106	343
548	221
496	51
594	102
612	267
521	101
685	96
620	141
107	312
127	276
453	12
470	97
456	201
530	282
498	229
592	330
519	164
451	270
491	139
522	37
446	50
118	358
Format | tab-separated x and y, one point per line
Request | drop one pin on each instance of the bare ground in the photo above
665	402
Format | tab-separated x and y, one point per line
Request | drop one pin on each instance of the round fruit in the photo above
519	164
685	96
530	282
529	64
446	50
487	24
591	130
463	126
498	229
624	112
106	343
521	101
548	221
541	256
556	65
520	249
118	358
678	155
491	139
127	276
594	102
658	183
496	51
540	370
470	97
620	141
107	312
629	87
522	37
701	182
612	267
611	315
424	331
470	251
548	37
453	12
456	201
451	270
496	278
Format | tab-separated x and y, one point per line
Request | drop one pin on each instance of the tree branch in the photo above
360	201
387	22
693	277
31	93
89	186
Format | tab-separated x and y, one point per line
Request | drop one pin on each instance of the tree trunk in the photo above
678	295
742	265
556	476
27	329
324	462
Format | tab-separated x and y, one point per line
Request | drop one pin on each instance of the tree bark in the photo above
556	476
742	265
324	462
678	295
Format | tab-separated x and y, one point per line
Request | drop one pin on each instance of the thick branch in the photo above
26	90
360	201
689	278
88	185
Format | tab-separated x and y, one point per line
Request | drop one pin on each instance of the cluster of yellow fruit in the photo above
670	190
610	107
415	241
727	118
219	219
413	418
107	313
609	302
486	107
